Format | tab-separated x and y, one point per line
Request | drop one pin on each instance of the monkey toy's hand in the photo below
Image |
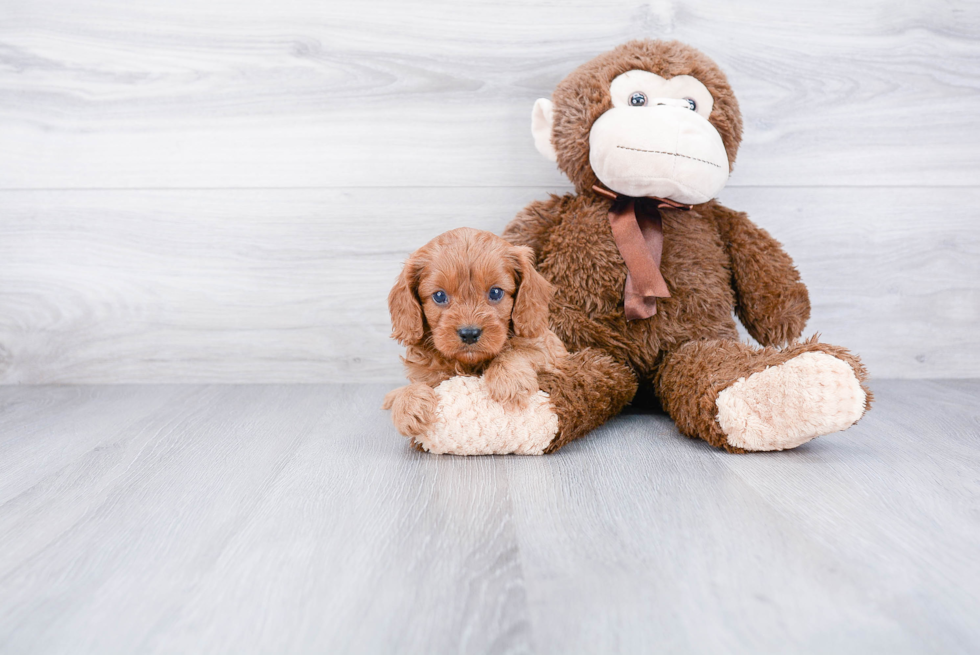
413	408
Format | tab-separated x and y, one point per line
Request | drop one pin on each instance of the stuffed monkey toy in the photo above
648	268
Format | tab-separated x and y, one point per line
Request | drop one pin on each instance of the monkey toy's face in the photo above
669	129
657	140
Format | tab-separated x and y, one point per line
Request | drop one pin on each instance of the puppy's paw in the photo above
512	386
389	400
413	408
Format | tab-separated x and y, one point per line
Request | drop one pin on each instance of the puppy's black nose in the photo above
469	334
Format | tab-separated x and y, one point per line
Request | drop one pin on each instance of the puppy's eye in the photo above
693	106
638	99
495	294
440	297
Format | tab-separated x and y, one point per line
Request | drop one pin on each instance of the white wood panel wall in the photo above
208	190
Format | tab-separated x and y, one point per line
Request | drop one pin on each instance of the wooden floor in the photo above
287	519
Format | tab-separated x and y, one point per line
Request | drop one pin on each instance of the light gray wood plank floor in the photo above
294	519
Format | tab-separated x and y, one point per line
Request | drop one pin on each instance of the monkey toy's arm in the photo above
771	301
533	223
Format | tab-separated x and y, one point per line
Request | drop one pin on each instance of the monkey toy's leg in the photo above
587	390
742	398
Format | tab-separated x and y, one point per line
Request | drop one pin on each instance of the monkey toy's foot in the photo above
585	389
468	421
786	405
742	398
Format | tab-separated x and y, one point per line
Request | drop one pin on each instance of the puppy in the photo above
469	303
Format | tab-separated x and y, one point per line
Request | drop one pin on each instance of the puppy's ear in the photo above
403	304
530	314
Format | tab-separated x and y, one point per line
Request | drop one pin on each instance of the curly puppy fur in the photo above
715	261
514	344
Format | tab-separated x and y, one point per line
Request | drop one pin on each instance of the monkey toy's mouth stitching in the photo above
672	154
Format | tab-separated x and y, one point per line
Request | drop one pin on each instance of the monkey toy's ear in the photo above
403	304
542	121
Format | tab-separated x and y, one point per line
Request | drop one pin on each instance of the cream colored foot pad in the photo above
469	422
784	406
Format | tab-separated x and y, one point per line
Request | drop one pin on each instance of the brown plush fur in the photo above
715	262
586	387
515	345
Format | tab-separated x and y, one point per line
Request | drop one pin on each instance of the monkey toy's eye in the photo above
495	294
638	99
440	297
693	106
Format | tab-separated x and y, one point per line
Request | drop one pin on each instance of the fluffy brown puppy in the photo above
649	131
469	304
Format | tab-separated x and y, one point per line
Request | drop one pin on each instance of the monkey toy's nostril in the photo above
469	334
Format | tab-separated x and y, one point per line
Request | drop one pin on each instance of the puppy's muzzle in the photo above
469	334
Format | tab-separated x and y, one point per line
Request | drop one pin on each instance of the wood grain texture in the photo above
220	516
111	94
222	191
294	519
649	542
290	285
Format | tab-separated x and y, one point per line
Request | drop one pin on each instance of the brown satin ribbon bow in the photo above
638	232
